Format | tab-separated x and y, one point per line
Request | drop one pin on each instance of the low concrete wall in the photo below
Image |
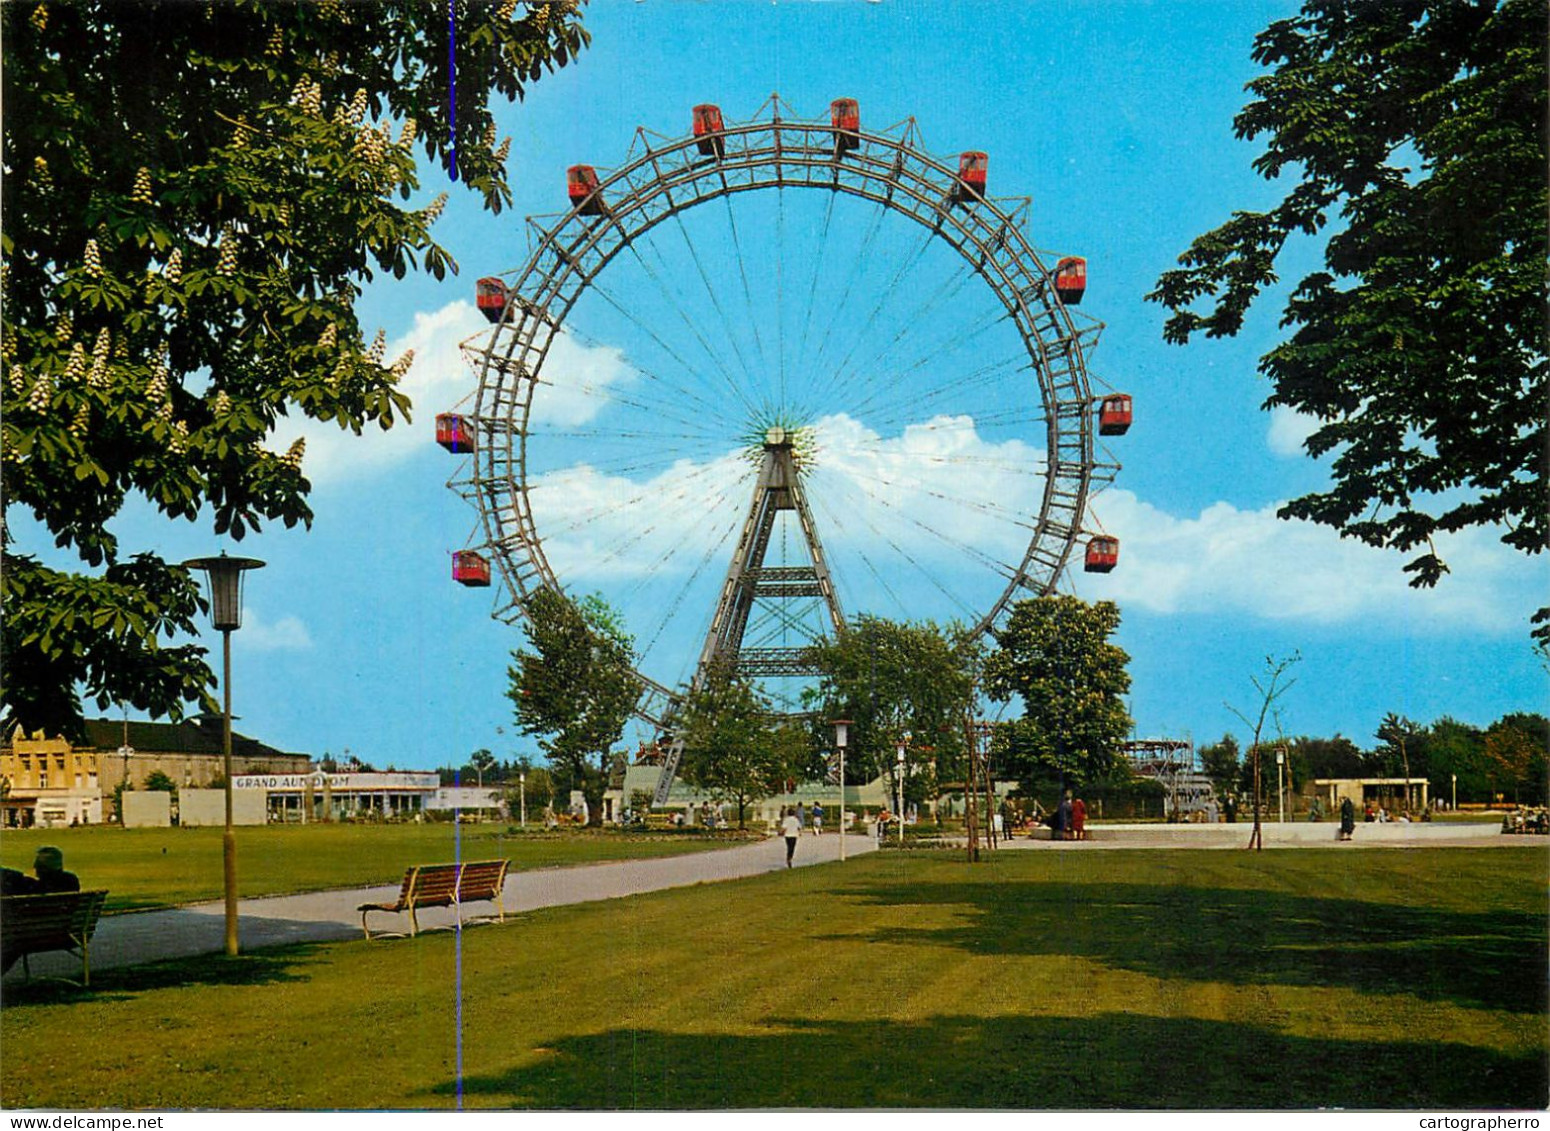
198	807
1291	834
147	809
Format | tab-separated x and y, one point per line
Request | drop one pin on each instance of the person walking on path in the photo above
1063	817
1079	819
791	828
817	818
1347	819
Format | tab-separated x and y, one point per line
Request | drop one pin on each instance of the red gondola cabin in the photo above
1114	415
581	184
845	117
490	295
1102	554
470	568
1071	279
455	432
972	169
707	130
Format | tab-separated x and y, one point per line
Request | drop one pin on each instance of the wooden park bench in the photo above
33	924
445	885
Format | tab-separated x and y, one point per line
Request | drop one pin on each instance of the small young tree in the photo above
1055	655
1270	687
576	688
1398	738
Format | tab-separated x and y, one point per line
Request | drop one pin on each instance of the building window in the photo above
42	779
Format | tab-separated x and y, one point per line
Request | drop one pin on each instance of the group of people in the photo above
1069	820
48	875
793	819
1527	821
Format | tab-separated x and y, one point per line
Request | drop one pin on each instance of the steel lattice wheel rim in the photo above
663	178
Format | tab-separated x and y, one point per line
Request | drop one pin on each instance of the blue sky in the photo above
1115	118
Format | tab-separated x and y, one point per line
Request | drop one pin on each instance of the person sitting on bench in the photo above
48	866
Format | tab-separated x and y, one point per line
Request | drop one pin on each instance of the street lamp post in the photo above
224	575
125	752
903	744
1453	803
1280	786
522	794
841	734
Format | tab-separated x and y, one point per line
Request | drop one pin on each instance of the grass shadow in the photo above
261	968
1114	1061
1494	960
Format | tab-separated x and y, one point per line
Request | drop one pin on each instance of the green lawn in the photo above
1293	979
146	868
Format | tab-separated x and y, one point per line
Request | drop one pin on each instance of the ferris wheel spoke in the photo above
837	311
661	566
932	576
894	401
653	434
818	259
635	319
980	506
949	290
742	271
886	293
888	397
671	608
780	294
1030	470
888	405
835	520
609	397
715	302
625	467
643	533
672	393
686	318
582	517
957	341
908	558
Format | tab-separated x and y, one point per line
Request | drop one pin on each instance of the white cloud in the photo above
579	378
947	498
288	634
1231	561
1288	430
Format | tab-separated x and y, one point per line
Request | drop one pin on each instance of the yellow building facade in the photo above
50	781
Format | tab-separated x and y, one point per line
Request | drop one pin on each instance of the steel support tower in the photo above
750	583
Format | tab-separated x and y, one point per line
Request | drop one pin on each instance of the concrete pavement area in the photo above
1290	834
331	916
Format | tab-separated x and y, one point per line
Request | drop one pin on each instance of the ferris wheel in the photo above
742	413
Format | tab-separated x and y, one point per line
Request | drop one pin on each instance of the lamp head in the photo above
223	575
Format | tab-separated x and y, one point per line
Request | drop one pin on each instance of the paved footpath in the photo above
331	916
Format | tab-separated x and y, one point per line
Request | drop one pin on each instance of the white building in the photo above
335	797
